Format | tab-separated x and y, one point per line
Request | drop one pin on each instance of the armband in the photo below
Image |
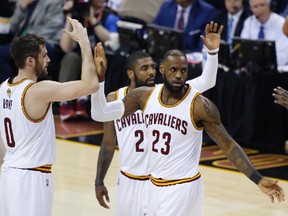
255	177
99	183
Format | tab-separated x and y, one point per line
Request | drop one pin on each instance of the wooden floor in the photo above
227	193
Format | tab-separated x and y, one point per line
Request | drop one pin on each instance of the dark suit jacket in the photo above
201	13
222	19
47	20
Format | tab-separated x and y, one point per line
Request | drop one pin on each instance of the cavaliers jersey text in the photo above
131	139
174	139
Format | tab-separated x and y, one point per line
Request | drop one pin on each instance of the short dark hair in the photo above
173	52
23	46
134	57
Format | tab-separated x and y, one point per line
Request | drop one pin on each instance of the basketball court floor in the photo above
227	192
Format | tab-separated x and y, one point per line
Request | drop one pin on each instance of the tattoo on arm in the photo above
231	148
239	158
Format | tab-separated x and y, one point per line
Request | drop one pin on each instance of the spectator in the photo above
233	17
6	11
101	27
114	4
143	10
190	16
265	24
44	18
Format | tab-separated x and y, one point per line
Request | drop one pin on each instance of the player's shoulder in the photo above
143	91
112	96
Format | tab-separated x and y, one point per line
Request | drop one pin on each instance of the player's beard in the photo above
40	71
170	87
140	83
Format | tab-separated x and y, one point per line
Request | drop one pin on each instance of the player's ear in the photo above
130	74
29	61
161	69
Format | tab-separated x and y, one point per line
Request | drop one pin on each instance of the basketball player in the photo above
281	96
129	131
27	123
175	115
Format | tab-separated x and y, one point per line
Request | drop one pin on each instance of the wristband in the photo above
214	51
99	183
101	79
256	177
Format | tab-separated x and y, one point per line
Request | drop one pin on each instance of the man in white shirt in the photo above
272	25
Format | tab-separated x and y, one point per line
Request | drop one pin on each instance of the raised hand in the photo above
100	61
213	36
281	96
78	32
271	189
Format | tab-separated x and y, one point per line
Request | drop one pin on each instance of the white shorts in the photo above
25	192
131	196
175	200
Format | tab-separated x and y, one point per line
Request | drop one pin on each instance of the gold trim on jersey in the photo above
125	93
146	102
46	168
175	104
23	107
126	90
141	178
16	83
117	94
192	112
162	182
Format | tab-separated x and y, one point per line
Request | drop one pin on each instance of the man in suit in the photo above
191	16
232	17
44	18
267	25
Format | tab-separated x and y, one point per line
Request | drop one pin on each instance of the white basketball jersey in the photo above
131	139
174	139
29	143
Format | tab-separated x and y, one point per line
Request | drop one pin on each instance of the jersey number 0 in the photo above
9	132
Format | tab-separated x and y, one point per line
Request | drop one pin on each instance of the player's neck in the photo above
169	97
131	87
22	74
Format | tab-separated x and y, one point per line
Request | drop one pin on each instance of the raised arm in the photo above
103	111
105	157
207	79
50	91
206	114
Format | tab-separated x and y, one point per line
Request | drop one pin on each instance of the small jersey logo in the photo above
9	92
47	182
118	182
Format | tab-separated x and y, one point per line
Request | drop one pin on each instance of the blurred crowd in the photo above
253	19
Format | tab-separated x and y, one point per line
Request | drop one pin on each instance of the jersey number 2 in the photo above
140	135
9	132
